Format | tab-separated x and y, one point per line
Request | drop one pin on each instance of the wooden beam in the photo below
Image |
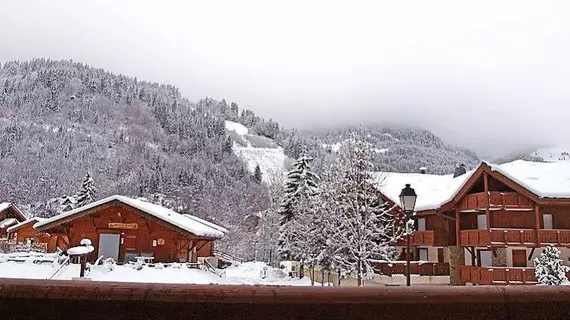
537	221
487	201
457	227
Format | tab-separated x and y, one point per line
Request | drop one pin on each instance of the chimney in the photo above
423	170
459	170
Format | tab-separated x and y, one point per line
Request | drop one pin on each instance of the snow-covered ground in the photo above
256	150
251	273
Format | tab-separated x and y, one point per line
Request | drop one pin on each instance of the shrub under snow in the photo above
549	269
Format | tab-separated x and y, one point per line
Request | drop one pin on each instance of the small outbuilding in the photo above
9	216
25	234
123	228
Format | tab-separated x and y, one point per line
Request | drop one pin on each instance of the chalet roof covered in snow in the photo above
4	206
185	222
7	222
432	190
24	223
544	179
7	205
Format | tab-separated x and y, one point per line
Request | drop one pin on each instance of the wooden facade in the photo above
136	232
494	214
24	233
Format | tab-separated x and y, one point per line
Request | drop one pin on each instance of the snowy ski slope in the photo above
256	150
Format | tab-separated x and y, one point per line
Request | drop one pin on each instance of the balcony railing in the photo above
506	200
497	275
426	238
421	268
476	238
556	237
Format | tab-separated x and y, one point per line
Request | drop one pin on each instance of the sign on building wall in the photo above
119	225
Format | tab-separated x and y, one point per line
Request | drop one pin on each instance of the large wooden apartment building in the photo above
490	223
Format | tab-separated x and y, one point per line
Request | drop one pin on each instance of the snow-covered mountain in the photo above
552	154
544	154
258	150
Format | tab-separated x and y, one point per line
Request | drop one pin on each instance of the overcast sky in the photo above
490	75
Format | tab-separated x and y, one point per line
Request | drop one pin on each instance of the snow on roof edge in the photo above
159	212
23	223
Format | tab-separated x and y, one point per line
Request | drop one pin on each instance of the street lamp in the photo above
408	203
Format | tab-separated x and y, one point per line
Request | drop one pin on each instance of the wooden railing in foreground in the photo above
498	275
52	299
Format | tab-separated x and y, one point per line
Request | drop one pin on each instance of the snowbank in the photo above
252	273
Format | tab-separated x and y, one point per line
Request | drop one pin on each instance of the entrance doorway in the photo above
109	245
519	258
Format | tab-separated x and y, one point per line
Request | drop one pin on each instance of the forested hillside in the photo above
399	149
60	119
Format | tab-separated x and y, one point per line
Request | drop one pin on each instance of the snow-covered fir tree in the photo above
87	193
366	226
257	175
548	268
299	187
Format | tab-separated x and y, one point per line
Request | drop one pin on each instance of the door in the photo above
519	258
485	259
109	245
482	222
547	219
422	224
440	257
423	254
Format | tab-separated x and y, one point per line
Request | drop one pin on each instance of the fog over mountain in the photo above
490	76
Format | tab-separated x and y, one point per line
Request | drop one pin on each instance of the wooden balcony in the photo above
426	238
423	269
505	200
556	237
497	275
483	238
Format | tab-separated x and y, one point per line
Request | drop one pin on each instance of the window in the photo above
484	258
547	221
422	224
423	254
482	222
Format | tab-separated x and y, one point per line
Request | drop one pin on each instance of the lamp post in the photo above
408	202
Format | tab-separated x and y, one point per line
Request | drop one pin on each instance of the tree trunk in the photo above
322	277
302	270
359	273
313	276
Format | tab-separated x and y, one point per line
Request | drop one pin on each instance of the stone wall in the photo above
499	257
456	259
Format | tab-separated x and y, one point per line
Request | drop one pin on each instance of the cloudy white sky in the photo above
490	75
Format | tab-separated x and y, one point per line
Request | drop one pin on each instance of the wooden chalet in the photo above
24	233
123	228
489	223
9	216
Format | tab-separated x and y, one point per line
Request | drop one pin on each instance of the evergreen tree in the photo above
366	227
88	191
257	175
300	185
549	269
